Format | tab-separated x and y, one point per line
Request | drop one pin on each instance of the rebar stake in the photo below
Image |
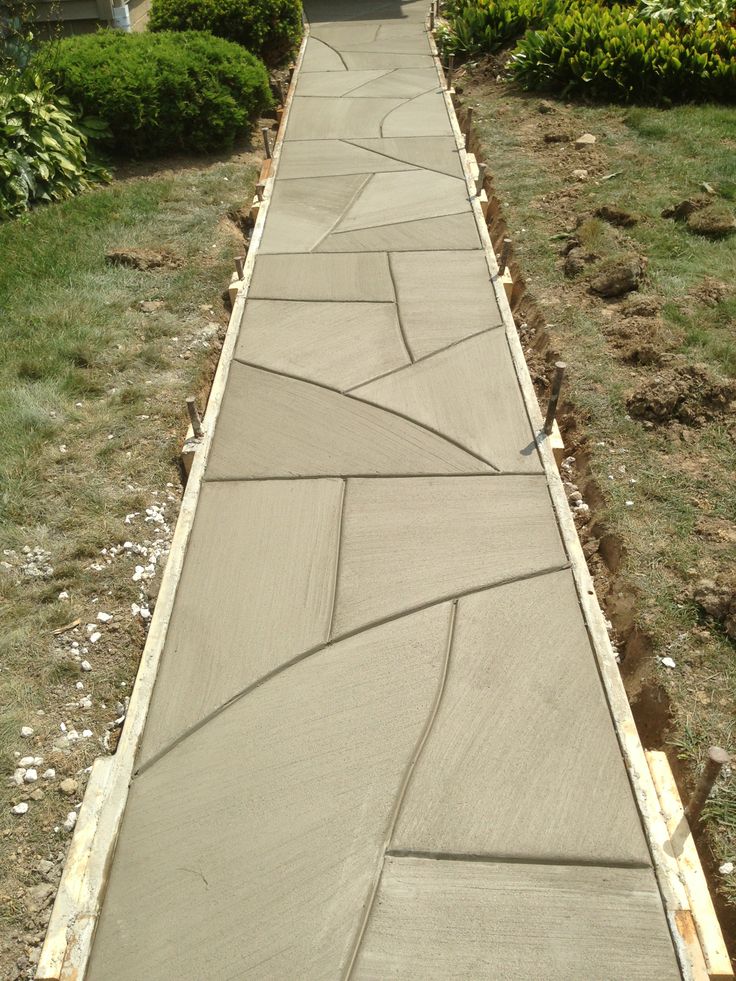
554	397
266	142
431	18
450	70
503	259
194	417
714	763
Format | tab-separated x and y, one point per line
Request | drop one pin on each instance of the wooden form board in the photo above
717	961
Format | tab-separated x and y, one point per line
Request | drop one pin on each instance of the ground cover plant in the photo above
162	93
269	28
111	313
653	51
629	284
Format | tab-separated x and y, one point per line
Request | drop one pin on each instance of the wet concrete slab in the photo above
255	840
535	695
470	393
437	920
378	745
408	543
277	426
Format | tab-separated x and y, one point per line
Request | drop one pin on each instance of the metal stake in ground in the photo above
266	142
431	18
194	417
554	397
468	122
714	763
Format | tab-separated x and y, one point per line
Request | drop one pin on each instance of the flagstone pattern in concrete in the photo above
378	744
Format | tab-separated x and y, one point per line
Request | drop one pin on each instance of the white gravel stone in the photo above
19	775
668	662
104	617
26	732
85	666
71	820
27	761
21	808
49	774
30	776
94	638
726	868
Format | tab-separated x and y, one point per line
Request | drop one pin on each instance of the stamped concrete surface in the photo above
378	745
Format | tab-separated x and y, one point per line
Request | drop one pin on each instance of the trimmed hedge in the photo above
159	93
43	152
608	54
269	28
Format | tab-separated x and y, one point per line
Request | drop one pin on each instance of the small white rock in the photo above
104	617
629	504
668	662
19	775
94	638
71	820
726	868
50	774
85	666
85	703
86	733
26	732
79	686
63	595
31	775
21	808
26	761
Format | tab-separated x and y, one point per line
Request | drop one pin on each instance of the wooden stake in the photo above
482	168
554	397
239	266
266	142
717	758
194	417
260	188
468	122
503	259
431	18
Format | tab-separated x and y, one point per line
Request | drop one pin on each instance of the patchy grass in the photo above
92	410
663	491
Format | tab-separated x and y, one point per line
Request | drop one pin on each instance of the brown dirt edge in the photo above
650	703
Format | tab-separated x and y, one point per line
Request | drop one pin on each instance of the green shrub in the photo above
684	12
269	28
609	54
159	93
475	26
43	152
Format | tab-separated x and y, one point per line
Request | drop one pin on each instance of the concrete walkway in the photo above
378	745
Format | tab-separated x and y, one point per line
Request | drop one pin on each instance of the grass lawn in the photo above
661	490
96	361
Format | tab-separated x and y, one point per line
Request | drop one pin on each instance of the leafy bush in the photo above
485	25
159	93
607	53
269	28
43	152
685	12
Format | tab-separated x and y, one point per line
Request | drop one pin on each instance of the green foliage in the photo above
609	54
685	12
269	28
43	152
160	93
475	26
